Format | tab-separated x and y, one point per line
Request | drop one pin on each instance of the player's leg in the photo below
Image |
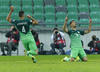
74	54
82	55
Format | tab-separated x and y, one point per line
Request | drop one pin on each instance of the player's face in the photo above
73	24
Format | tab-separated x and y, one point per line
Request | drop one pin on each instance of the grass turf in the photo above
48	63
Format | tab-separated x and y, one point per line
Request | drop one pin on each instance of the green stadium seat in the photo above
38	2
72	15
3	16
17	9
94	2
83	8
16	2
4	22
94	8
60	2
50	23
61	8
95	21
38	16
72	8
95	15
27	2
60	22
4	9
49	8
27	9
15	16
49	16
38	8
4	2
83	2
84	22
60	15
71	2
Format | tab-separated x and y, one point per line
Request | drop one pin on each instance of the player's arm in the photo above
89	28
8	17
34	21
64	26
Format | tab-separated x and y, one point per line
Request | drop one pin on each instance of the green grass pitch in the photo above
48	63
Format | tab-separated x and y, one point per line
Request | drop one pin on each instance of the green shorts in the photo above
77	52
29	44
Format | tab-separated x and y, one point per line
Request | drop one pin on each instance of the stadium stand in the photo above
46	10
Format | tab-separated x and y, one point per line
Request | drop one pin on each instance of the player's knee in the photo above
72	59
85	59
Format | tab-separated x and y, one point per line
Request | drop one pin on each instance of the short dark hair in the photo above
71	22
55	29
21	13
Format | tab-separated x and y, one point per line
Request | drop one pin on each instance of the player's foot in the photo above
64	59
77	59
26	53
33	59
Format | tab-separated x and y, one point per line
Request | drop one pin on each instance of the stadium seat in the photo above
96	21
4	2
72	15
27	2
38	8
38	16
50	23
49	16
17	9
83	15
49	2
95	15
60	2
83	2
4	9
3	16
49	8
38	2
60	15
60	8
83	8
72	8
84	22
71	2
94	2
16	2
94	8
60	22
27	9
15	16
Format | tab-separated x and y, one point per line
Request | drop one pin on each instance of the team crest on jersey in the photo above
77	35
78	32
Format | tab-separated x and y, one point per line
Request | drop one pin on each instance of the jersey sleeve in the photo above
69	32
30	21
82	32
13	21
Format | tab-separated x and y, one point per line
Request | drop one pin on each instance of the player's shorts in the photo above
78	52
29	44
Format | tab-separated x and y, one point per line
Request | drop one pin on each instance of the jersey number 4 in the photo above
23	29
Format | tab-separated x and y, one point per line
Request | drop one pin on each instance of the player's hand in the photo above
66	18
12	8
28	16
90	20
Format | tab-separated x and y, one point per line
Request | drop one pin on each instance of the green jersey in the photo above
75	38
23	26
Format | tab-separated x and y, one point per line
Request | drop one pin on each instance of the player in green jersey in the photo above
76	45
23	26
